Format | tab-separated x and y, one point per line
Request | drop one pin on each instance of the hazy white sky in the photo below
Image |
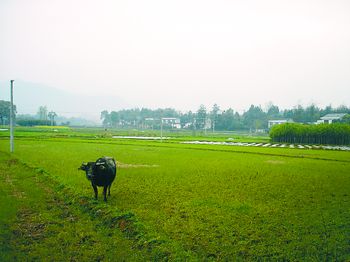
182	53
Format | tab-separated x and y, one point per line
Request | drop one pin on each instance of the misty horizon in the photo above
30	96
155	54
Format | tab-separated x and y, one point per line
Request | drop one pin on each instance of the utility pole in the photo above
213	124
11	119
161	129
193	126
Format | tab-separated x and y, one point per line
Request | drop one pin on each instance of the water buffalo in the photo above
101	173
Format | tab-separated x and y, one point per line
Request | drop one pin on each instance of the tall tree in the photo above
201	117
42	113
52	116
214	115
298	114
114	118
273	111
105	117
225	120
312	114
342	109
5	107
186	119
255	118
346	119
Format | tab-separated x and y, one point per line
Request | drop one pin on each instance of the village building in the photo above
167	122
173	122
272	123
331	118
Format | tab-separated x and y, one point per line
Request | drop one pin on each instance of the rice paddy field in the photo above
201	202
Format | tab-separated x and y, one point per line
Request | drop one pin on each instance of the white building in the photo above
174	122
272	123
331	118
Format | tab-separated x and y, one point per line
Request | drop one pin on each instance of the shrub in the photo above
33	122
336	134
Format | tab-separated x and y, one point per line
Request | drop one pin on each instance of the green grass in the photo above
98	133
39	223
207	202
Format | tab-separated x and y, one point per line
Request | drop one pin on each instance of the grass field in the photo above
97	133
207	202
37	223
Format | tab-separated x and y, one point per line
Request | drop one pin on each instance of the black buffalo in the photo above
101	173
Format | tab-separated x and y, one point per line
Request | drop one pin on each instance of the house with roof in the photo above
169	122
173	122
331	118
272	123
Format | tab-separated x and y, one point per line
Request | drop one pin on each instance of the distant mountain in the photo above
29	96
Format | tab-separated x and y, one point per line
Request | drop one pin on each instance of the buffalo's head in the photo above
83	166
88	168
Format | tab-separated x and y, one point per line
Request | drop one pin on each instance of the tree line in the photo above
34	122
255	118
43	117
5	107
335	134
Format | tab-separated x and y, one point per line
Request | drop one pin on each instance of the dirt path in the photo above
36	223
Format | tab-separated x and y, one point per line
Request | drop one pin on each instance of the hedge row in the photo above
335	134
33	122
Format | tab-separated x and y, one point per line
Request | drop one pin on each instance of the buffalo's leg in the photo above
95	190
104	193
109	189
